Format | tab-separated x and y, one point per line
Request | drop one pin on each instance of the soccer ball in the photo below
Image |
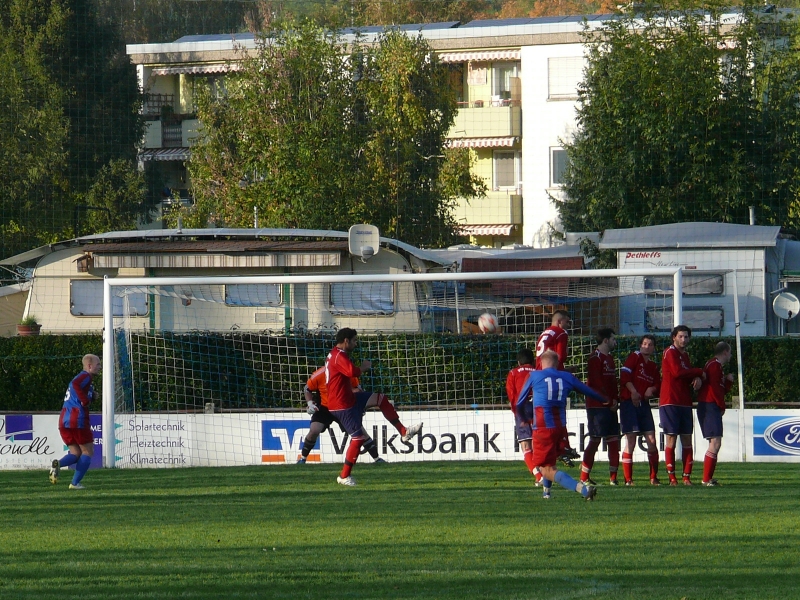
487	323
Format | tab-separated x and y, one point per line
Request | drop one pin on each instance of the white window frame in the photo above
363	299
497	81
88	302
553	151
692	284
697	318
517	169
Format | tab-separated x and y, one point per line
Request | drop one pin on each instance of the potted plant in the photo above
28	326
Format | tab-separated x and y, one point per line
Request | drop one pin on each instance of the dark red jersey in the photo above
554	338
642	374
602	377
676	378
715	386
339	370
514	382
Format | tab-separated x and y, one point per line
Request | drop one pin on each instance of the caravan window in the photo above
86	300
694	284
268	294
362	298
697	318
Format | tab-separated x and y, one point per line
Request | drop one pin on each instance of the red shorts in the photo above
76	437
547	445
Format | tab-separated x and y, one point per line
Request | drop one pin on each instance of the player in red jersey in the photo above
556	338
74	425
514	382
339	371
640	381
602	418
678	379
711	407
316	396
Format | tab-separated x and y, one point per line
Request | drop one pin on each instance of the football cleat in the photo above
572	453
655	481
546	494
76	486
379	460
687	481
613	482
629	483
301	460
673	481
591	493
54	470
711	483
348	481
412	431
567	460
590	481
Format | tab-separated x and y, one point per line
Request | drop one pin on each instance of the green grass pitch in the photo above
413	530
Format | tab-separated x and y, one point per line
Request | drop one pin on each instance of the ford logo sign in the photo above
784	435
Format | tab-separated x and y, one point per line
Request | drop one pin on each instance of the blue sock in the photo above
546	483
83	466
68	460
564	480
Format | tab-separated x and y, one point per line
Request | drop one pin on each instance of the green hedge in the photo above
245	370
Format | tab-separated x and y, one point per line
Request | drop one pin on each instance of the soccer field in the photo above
424	530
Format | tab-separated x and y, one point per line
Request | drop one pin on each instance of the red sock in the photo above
387	408
613	457
687	461
351	456
652	458
627	466
527	456
709	464
588	458
669	459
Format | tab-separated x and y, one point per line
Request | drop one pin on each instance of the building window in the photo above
362	298
697	318
563	76
694	284
558	164
86	300
503	75
507	166
268	294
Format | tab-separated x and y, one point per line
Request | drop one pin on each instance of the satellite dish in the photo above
364	241
786	305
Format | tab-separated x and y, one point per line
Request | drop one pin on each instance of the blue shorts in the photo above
710	417
676	420
636	419
351	419
523	425
602	422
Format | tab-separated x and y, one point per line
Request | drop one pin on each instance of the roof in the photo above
691	235
457	254
171	239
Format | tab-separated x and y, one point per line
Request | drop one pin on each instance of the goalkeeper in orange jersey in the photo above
316	396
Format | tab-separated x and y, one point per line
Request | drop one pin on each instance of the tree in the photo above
682	117
317	138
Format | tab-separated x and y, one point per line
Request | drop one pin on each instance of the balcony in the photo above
498	207
170	134
487	119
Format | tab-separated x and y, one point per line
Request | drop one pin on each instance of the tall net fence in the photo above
198	350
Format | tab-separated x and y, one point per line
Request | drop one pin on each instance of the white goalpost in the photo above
208	371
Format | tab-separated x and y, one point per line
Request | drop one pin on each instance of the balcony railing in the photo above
497	208
171	135
487	121
154	104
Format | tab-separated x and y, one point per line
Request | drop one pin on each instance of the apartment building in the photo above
516	82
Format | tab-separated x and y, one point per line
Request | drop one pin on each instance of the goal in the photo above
209	371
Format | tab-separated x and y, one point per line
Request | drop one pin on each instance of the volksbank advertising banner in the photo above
160	440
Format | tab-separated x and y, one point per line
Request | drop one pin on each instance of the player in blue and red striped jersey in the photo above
678	378
640	381
514	381
711	407
602	420
74	426
546	411
342	402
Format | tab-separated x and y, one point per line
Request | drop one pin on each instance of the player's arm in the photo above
511	392
626	372
526	390
584	389
594	373
345	366
82	385
561	348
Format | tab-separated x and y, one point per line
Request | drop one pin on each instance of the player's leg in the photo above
318	425
687	454
630	429
652	456
546	445
85	459
70	458
595	426
627	457
522	423
710	418
669	423
350	420
389	412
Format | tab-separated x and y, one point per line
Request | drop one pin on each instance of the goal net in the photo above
210	370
